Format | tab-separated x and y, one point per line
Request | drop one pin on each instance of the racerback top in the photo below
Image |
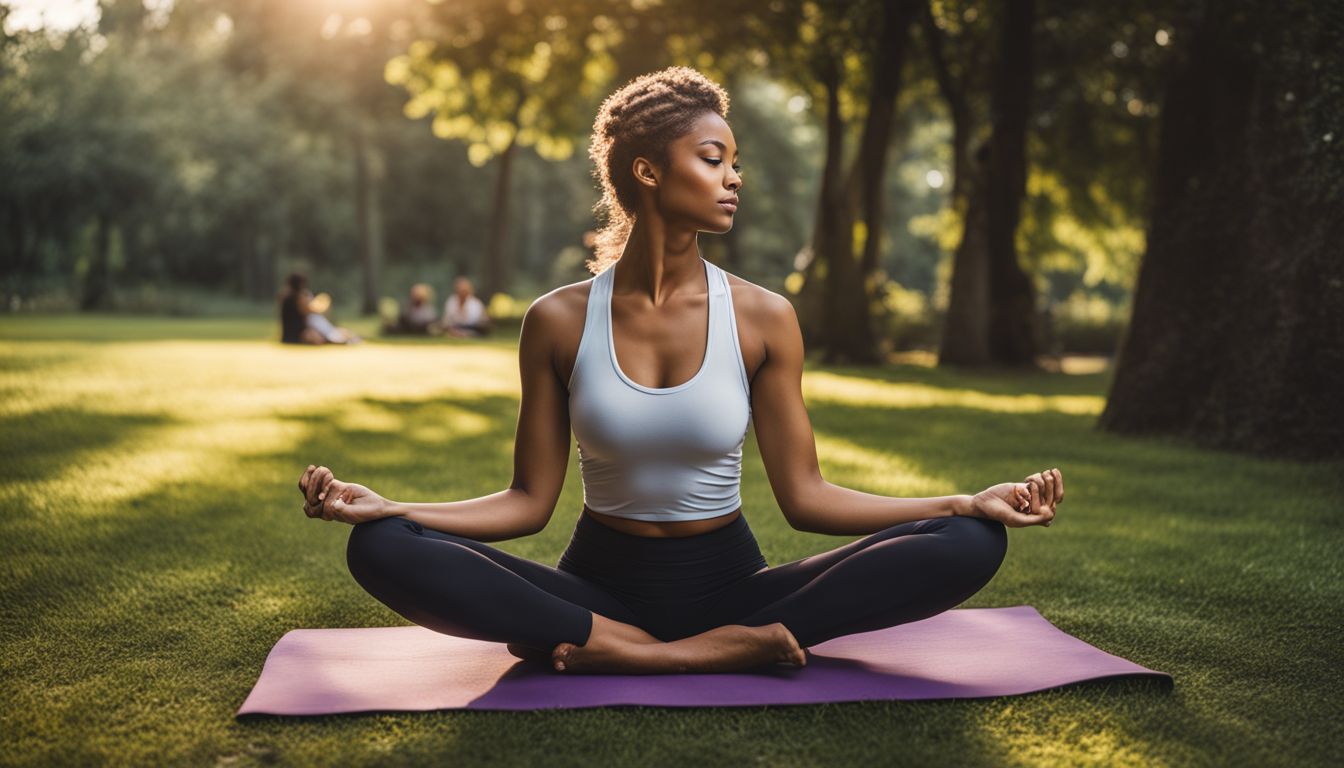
660	453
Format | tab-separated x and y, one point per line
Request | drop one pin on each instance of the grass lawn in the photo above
154	549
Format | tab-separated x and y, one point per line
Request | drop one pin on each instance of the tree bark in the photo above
1012	330
870	165
966	327
1237	333
834	240
965	337
847	334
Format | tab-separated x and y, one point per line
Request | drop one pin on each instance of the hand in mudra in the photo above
330	499
1017	505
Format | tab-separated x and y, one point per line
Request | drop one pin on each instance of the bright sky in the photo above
53	14
60	14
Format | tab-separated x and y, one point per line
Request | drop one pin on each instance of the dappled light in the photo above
152	523
841	389
242	237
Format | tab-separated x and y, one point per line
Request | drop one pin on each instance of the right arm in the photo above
540	457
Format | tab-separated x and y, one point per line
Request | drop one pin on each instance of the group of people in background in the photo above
303	318
463	316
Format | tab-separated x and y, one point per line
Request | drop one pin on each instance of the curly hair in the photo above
641	119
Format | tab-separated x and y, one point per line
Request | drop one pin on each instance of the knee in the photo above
373	545
981	544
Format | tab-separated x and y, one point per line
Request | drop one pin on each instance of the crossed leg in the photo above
904	573
463	587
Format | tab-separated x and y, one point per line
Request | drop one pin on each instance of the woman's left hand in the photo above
1017	505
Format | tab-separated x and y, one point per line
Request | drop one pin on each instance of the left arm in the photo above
788	450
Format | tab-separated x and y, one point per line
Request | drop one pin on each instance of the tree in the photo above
1237	333
500	75
850	57
991	306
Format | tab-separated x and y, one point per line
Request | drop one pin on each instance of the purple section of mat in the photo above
962	653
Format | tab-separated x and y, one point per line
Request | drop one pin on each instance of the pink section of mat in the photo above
962	653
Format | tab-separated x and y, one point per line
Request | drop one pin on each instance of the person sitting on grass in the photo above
294	302
418	317
659	364
303	319
463	313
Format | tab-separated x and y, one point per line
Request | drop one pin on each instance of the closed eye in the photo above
717	161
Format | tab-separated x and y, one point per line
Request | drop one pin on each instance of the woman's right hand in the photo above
330	499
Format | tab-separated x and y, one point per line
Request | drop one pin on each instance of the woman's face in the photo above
701	173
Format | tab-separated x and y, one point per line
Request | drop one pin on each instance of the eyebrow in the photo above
717	143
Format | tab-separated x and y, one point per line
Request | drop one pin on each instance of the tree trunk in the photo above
1237	333
496	267
834	266
965	337
97	293
369	212
847	334
966	328
1012	334
870	166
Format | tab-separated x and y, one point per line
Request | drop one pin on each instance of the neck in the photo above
659	262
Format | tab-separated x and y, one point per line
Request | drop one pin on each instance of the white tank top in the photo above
669	453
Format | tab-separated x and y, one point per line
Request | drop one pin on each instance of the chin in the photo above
719	227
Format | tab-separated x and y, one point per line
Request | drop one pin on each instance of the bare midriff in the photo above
663	528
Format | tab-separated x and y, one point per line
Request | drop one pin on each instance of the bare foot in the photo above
601	625
722	649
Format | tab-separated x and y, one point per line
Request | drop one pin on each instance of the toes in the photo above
560	656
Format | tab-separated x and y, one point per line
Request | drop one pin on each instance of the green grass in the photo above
154	549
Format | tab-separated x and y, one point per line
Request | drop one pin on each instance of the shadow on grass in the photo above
176	593
38	445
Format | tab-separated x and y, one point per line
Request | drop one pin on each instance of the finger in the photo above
319	484
1035	496
334	489
310	491
303	479
1059	486
327	484
1036	480
1023	519
1047	488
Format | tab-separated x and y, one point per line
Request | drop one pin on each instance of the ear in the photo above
645	174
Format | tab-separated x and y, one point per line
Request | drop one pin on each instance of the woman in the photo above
657	364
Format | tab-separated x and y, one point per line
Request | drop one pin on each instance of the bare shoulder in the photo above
765	320
561	305
555	320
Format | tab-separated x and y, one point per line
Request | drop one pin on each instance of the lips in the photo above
729	204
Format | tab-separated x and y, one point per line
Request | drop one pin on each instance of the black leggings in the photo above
672	587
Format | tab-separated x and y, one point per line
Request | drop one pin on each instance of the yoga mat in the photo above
961	653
